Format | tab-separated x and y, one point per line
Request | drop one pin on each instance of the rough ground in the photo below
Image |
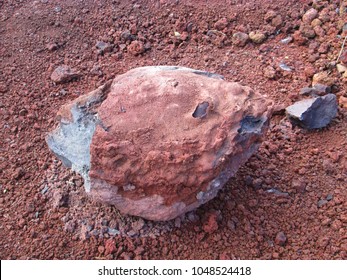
287	202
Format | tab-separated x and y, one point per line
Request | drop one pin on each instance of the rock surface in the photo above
313	113
160	141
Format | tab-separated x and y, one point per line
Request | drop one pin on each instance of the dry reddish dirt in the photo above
287	202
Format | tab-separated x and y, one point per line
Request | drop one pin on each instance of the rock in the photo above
316	22
343	57
285	67
136	48
320	89
138	225
314	112
211	224
270	15
103	47
343	102
299	186
101	249
160	141
270	72
240	39
277	21
321	203
298	38
257	37
287	40
317	89
281	239
127	36
323	48
113	232
322	78
341	68
307	31
60	198
319	31
310	15
221	24
70	226
110	246
18	173
3	88
63	74
52	47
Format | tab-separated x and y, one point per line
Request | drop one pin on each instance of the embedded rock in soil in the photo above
160	141
257	37
63	74
314	112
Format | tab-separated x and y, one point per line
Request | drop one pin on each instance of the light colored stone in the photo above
310	15
322	78
240	39
257	37
343	101
63	74
341	68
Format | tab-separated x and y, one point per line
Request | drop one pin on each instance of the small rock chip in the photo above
277	21
257	37
307	31
317	89
110	247
316	22
60	199
322	78
52	47
19	173
221	24
136	47
321	203
310	15
269	72
343	57
341	68
343	101
299	186
270	15
307	91
63	74
287	40
320	89
103	47
211	224
101	249
3	88
127	36
281	239
319	31
299	39
240	39
314	112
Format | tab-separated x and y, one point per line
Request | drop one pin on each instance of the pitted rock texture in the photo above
161	140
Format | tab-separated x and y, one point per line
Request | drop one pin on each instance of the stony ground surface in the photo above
287	202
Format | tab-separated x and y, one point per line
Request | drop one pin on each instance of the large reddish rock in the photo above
160	141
